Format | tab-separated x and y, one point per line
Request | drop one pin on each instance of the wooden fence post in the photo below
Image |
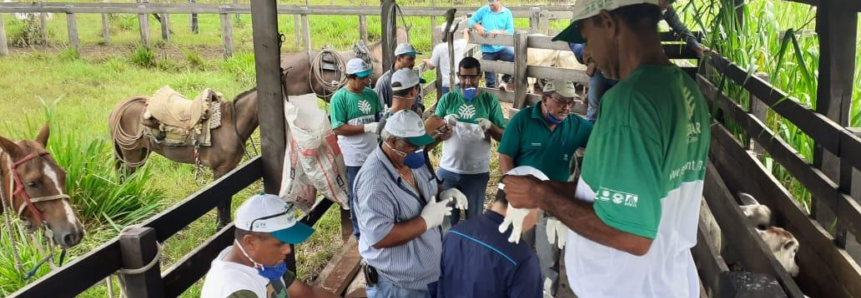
837	29
433	18
139	249
297	30
519	77
306	31
193	20
436	38
106	29
43	23
4	46
165	26
363	28
759	110
545	22
143	20
236	2
534	20
226	35
72	24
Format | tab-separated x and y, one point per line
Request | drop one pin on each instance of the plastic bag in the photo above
316	150
469	132
295	186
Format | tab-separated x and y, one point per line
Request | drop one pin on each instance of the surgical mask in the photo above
469	93
413	160
551	119
273	273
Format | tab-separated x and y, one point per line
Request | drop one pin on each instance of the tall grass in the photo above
11	279
777	39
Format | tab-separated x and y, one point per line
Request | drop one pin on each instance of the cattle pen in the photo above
828	234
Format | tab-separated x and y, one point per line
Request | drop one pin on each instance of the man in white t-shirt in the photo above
440	58
253	267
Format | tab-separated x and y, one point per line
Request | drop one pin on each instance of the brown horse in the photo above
299	67
33	186
239	120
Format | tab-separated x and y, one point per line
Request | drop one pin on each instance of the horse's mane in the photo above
245	93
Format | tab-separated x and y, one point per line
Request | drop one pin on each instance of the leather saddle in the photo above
171	108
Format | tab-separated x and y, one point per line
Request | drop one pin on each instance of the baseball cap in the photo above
409	125
359	67
268	213
407	78
406	49
584	9
564	88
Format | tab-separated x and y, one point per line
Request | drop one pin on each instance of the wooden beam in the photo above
709	262
143	21
193	22
387	24
534	20
165	27
363	28
502	67
837	29
106	28
548	72
341	270
267	60
297	30
306	32
72	26
760	111
4	46
520	67
226	35
499	39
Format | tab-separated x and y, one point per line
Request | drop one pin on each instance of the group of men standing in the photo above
629	218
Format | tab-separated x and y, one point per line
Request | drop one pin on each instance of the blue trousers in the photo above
598	85
505	54
351	177
472	185
385	289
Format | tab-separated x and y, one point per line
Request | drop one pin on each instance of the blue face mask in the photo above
273	273
469	93
551	119
413	160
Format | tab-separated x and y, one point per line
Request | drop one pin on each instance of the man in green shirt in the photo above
474	117
355	111
633	213
546	136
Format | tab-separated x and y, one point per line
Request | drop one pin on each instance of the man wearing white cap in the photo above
253	267
633	213
399	215
405	58
545	136
405	86
355	112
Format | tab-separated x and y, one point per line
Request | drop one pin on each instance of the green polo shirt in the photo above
530	142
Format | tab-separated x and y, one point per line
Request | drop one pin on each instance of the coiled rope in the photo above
316	73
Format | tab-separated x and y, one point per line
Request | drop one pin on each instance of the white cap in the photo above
584	9
359	68
406	49
409	125
270	214
564	88
407	78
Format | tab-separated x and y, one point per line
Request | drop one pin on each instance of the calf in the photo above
783	245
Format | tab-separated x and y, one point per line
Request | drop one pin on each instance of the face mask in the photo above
273	273
413	160
469	93
551	119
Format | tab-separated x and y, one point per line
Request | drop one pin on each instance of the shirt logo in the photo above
536	144
466	112
364	106
565	157
694	129
617	197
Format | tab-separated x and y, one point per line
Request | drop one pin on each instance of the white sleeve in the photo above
435	56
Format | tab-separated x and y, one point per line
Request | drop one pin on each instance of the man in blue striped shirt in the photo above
398	213
479	262
489	20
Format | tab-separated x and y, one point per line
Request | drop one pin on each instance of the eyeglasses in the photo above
289	209
568	103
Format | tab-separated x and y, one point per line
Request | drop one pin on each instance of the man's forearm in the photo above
403	232
349	130
506	163
496	132
580	217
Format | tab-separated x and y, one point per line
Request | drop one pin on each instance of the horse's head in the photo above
35	186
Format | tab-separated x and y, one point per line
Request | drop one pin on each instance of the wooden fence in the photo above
829	251
539	17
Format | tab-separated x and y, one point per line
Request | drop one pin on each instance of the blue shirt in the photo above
502	20
478	261
384	199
